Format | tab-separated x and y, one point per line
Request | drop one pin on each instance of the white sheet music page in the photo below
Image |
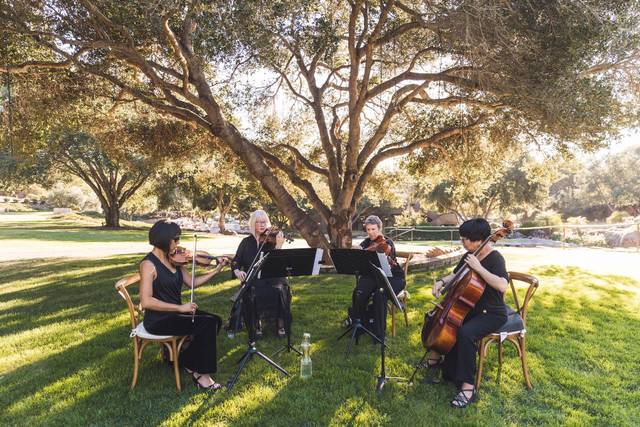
316	262
384	263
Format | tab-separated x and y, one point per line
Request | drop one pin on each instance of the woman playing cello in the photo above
489	313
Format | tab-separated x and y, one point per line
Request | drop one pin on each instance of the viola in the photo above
182	256
380	245
462	293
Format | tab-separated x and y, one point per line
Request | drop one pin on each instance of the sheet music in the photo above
384	263
316	261
391	293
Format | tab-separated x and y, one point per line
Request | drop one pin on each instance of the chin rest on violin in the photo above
182	256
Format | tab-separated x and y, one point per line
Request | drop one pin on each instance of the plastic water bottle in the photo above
305	362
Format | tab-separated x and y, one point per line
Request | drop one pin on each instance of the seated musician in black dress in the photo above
488	315
368	285
165	314
273	295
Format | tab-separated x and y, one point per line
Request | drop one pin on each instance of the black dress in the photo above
272	296
486	317
200	354
367	286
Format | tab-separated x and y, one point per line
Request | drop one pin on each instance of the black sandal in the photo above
213	387
462	401
427	363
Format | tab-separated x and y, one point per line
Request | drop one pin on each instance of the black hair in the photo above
162	232
475	229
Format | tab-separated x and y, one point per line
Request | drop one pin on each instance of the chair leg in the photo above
406	318
176	368
500	353
393	320
134	381
523	358
481	354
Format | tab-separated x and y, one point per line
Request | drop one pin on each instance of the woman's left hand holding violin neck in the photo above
279	240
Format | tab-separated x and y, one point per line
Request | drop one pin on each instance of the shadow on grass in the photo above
583	364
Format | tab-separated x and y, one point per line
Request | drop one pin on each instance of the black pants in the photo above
200	355
366	287
460	363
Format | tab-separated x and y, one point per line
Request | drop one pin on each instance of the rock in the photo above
630	239
61	210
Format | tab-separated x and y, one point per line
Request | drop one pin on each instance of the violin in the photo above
182	256
270	234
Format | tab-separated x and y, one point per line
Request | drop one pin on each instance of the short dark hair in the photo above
162	232
475	229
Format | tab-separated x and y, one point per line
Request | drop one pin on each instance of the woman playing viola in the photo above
489	313
271	295
164	313
367	285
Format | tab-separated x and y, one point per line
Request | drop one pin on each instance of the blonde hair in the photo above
254	217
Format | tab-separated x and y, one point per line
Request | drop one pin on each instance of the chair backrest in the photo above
121	286
531	289
407	257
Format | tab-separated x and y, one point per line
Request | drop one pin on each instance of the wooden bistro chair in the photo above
141	337
403	296
513	330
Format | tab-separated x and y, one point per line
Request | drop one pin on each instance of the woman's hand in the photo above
240	274
473	263
437	287
279	240
188	307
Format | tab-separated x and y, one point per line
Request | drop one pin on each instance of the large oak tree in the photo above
378	79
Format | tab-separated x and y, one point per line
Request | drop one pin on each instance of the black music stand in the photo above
289	263
357	262
385	289
246	295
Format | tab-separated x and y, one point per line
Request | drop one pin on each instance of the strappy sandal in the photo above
212	387
432	366
462	401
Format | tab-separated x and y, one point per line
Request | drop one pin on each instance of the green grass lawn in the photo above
70	228
66	357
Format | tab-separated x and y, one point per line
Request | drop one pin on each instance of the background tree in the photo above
116	161
211	181
377	80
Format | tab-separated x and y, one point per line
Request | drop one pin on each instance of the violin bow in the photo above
193	274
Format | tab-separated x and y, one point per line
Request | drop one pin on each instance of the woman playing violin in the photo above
489	313
367	285
161	282
271	295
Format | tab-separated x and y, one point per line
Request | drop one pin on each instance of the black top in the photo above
167	287
491	300
396	270
246	253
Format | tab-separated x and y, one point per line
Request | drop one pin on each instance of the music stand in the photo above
381	277
247	292
289	263
358	263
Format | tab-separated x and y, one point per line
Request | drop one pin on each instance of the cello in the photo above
462	293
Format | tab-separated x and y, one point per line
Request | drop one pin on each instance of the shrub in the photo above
617	217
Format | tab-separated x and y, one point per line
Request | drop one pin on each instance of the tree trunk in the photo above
111	216
339	229
221	225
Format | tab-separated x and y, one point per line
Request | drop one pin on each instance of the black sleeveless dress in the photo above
200	355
